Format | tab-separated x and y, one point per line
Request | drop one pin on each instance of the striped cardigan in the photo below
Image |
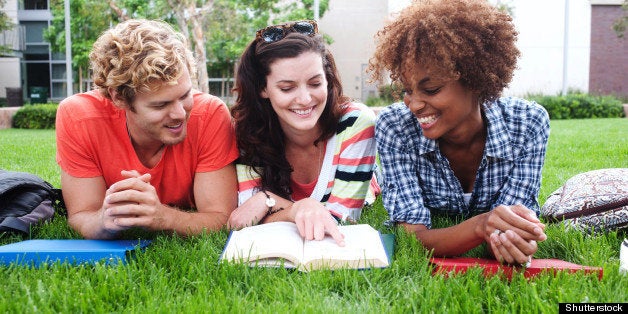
347	168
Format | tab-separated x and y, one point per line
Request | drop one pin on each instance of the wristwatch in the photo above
270	202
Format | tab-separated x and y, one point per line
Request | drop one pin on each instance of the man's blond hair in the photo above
138	56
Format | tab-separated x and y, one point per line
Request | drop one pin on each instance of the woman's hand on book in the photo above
314	221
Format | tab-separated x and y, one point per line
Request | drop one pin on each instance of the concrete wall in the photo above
352	24
608	72
6	116
10	69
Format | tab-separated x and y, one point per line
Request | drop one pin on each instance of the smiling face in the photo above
160	117
297	90
444	108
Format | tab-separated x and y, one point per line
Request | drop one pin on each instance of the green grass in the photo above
183	275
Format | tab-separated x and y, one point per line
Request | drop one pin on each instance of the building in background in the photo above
592	58
553	58
33	67
608	69
10	78
541	24
548	63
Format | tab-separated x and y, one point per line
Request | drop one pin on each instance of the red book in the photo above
492	267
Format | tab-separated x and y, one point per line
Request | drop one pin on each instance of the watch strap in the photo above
269	201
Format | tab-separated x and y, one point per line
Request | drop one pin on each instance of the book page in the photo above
265	244
363	249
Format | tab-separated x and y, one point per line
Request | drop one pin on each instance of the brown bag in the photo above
591	201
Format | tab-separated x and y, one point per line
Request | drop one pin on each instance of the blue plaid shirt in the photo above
417	179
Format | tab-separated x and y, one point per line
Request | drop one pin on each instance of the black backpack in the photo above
25	199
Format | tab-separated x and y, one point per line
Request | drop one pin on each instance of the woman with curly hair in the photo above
306	151
454	146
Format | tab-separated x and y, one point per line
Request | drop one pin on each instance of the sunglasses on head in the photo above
278	32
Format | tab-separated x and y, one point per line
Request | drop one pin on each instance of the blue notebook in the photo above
36	252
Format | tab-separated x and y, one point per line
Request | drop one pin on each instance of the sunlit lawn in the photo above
183	275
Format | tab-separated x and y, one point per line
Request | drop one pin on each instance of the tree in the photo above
620	24
194	19
189	15
84	29
505	6
300	10
303	10
5	25
229	28
218	30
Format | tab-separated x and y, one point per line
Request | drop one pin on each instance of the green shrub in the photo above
391	93
36	117
388	94
376	102
580	106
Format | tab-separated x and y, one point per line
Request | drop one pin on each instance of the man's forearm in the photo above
192	223
90	226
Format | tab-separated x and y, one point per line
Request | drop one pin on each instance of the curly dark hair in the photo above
259	135
466	40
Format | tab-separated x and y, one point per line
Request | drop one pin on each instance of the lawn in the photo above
177	274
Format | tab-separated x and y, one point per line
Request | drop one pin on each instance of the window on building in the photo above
35	4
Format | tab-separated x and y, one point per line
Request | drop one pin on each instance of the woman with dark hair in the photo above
306	151
454	146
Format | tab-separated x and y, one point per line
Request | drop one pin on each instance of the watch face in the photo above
270	202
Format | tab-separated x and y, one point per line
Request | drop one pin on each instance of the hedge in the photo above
570	106
574	105
41	116
580	106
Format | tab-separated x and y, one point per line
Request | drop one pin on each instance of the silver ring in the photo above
497	232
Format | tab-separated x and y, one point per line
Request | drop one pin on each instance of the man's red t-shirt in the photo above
92	141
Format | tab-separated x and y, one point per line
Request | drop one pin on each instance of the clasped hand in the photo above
132	202
513	232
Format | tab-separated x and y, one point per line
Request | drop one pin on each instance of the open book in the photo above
280	244
493	267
